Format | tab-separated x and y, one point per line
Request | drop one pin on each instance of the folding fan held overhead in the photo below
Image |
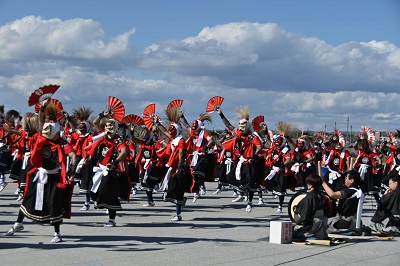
149	115
214	103
256	122
175	103
132	118
392	138
370	134
39	95
59	106
321	135
341	137
116	107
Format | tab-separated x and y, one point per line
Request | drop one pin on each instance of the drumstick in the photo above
320	242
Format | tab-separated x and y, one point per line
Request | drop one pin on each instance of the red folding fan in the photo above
369	132
59	106
132	118
117	107
321	135
149	115
42	93
175	103
342	139
392	138
214	103
256	122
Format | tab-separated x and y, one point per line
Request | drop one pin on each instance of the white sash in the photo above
80	165
14	155
239	166
195	158
273	172
363	170
200	139
333	175
25	161
295	168
228	163
164	185
145	176
99	171
41	179
360	195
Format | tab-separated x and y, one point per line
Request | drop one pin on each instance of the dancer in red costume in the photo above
30	126
109	179
200	153
178	179
47	197
278	162
367	163
248	170
9	136
338	163
82	138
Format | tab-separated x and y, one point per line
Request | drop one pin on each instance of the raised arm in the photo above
224	120
97	119
184	121
330	192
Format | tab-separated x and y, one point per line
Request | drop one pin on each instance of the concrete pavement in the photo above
214	231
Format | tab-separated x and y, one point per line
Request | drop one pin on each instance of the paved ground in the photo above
214	231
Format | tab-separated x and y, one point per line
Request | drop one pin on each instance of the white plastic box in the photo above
280	232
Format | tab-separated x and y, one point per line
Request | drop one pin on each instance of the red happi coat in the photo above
342	156
79	142
37	156
113	145
245	145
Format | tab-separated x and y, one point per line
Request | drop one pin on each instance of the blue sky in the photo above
311	63
335	22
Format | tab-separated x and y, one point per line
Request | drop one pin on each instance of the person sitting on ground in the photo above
349	207
312	212
387	215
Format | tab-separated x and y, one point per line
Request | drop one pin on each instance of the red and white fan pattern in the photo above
175	103
117	107
256	122
149	116
42	93
214	103
369	132
132	118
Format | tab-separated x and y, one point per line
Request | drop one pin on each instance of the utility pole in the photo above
347	130
351	133
325	128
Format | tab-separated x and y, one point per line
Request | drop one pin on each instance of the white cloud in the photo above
394	59
266	57
38	39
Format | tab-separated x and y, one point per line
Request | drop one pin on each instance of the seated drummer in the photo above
312	212
349	207
387	216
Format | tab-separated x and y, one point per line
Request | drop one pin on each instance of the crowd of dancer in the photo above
48	151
